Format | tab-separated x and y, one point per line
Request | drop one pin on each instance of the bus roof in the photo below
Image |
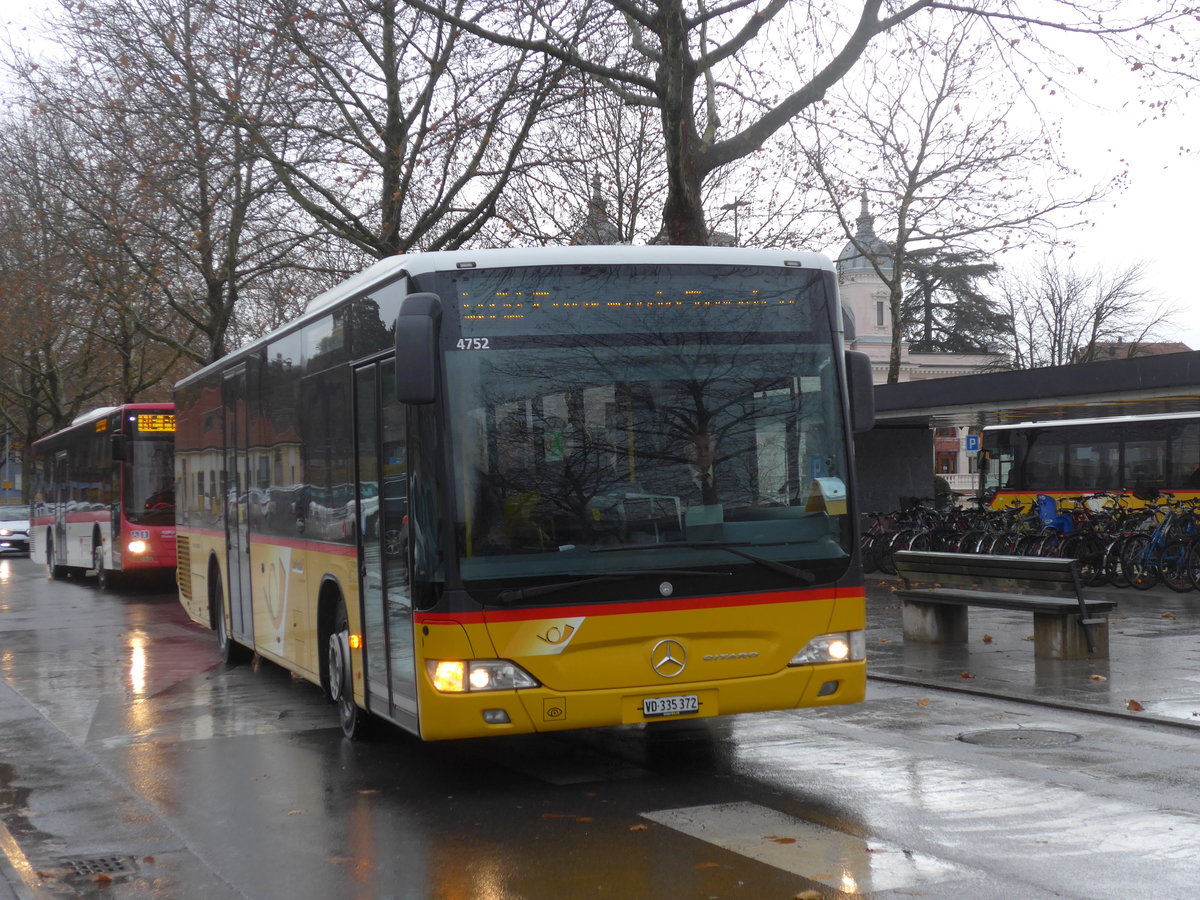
609	254
101	412
391	267
1105	420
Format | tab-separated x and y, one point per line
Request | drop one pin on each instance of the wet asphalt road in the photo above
133	765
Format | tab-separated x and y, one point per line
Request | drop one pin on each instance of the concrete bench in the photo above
939	588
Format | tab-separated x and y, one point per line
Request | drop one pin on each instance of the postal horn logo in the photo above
668	658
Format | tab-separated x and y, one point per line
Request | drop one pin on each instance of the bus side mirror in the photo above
417	327
861	390
118	448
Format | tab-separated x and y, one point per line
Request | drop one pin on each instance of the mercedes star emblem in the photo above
668	658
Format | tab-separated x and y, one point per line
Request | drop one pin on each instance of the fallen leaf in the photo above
102	878
965	675
707	865
1099	678
1134	706
294	812
781	840
584	819
1030	638
1167	615
809	895
885	640
639	827
923	702
149	860
987	638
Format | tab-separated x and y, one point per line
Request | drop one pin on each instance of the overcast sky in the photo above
1155	218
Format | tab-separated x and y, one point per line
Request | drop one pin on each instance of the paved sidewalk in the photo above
1153	669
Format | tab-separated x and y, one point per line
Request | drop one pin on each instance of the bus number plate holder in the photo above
685	704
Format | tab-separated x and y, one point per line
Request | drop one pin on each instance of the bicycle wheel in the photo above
1173	566
1112	563
1087	549
1193	565
886	548
1137	562
867	547
919	540
1049	544
970	541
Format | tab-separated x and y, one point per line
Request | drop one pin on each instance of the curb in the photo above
1038	701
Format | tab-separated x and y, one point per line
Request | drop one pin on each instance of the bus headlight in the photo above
137	547
457	676
841	646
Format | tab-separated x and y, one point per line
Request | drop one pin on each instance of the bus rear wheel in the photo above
56	571
354	721
232	653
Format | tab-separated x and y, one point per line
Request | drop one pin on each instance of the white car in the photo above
14	529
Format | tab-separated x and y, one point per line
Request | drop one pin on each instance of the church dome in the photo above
852	259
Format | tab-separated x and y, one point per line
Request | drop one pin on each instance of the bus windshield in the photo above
150	482
650	415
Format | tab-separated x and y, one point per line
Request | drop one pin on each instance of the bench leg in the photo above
934	623
1062	637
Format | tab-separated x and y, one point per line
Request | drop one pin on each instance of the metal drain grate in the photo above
1025	738
100	865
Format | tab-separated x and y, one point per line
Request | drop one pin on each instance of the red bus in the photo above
104	494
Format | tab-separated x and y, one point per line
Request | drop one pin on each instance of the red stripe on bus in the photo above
619	608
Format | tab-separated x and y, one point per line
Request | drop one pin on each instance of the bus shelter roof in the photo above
1120	387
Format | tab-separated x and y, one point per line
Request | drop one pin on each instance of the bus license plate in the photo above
670	706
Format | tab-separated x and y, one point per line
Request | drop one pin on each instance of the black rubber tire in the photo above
354	722
1137	562
57	572
1173	566
232	653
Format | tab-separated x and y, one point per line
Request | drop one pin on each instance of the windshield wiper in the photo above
513	595
774	565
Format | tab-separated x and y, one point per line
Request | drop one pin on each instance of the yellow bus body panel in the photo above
594	664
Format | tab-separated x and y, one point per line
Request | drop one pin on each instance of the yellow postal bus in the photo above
488	492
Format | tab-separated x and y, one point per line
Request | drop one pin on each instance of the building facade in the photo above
865	294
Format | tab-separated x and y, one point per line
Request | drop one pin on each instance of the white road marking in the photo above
841	861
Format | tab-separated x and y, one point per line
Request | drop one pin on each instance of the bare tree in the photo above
393	131
61	351
928	136
684	60
197	215
1061	315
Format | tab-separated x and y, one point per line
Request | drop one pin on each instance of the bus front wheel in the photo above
104	577
341	678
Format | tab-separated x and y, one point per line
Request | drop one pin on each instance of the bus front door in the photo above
380	439
233	395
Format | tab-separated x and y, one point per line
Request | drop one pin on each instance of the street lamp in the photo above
737	240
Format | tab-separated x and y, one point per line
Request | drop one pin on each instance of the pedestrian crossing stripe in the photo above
844	862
